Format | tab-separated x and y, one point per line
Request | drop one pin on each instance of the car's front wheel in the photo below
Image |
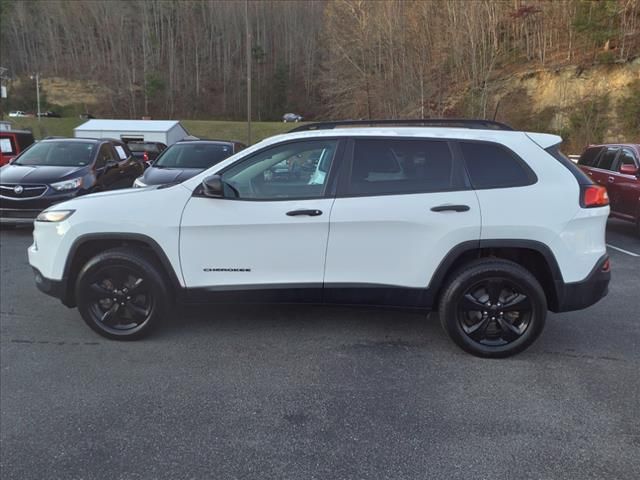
493	308
122	294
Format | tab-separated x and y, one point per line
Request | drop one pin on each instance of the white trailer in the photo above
165	131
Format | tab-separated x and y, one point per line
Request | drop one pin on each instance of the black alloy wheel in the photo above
493	308
121	294
120	299
494	312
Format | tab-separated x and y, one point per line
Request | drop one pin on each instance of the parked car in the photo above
291	117
17	113
187	158
490	226
617	167
49	114
52	171
146	151
12	142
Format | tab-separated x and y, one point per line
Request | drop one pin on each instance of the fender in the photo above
67	290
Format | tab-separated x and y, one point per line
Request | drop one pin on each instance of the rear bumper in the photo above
578	295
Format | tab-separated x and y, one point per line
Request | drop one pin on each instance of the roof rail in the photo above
423	122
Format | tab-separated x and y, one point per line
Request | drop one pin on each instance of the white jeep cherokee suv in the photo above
492	227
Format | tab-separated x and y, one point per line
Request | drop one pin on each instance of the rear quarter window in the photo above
491	165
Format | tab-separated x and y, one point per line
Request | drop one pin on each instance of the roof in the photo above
75	140
206	140
21	132
543	139
129	125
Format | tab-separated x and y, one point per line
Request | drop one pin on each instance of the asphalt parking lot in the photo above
316	392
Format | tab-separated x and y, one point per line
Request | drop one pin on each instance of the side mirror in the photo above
213	186
629	170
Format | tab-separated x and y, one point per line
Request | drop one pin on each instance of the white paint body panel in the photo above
396	239
255	235
548	212
151	212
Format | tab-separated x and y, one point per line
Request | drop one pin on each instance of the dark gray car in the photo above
185	159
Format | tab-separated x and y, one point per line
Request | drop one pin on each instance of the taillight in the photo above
593	196
145	156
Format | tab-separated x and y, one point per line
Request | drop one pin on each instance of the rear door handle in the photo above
310	213
611	179
451	208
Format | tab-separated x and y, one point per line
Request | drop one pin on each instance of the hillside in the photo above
568	66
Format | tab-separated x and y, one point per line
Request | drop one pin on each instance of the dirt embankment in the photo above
557	98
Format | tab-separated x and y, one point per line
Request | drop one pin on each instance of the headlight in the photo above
139	183
67	184
54	215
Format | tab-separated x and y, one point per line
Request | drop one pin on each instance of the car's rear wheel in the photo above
493	308
121	294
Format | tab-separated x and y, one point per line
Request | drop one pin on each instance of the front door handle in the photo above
310	213
451	208
611	179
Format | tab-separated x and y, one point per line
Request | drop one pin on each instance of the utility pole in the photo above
37	77
4	77
248	41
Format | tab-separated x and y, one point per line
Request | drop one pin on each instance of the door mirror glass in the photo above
629	169
213	186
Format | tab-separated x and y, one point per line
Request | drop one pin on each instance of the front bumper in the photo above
579	295
54	288
25	211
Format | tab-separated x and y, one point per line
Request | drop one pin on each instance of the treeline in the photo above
319	58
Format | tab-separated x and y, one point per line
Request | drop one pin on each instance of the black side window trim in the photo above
347	166
531	175
329	191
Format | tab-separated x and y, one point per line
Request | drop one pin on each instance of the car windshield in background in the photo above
143	147
58	154
193	155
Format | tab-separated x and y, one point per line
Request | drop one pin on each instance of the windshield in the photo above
193	155
58	154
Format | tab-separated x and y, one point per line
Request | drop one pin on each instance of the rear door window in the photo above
384	167
104	155
607	159
493	166
588	158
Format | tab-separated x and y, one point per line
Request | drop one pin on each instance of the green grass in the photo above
200	128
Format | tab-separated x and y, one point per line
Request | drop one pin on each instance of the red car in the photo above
617	167
12	142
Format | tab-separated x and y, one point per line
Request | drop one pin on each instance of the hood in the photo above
39	173
160	176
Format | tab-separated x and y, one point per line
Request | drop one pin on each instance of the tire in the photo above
493	308
122	294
